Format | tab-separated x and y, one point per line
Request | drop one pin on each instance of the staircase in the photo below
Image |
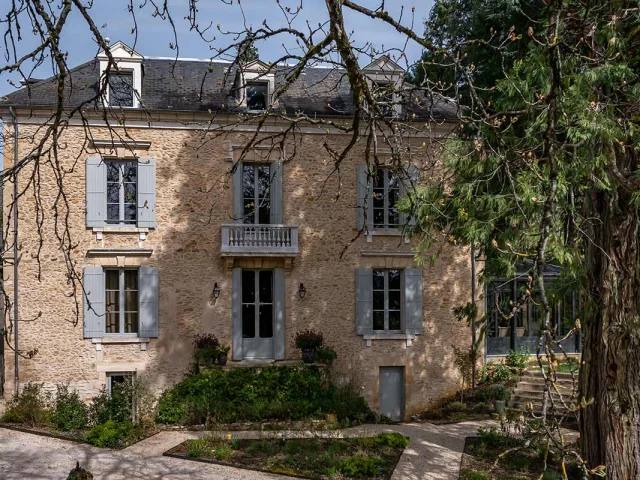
530	390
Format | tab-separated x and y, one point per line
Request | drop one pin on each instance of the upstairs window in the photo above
121	289
256	191
383	93
257	95
386	191
122	192
121	89
387	300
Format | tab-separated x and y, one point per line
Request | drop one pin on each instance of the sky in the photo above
155	34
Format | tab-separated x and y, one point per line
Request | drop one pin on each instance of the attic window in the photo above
121	89
383	93
257	95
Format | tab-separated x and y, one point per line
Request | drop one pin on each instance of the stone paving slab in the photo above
433	454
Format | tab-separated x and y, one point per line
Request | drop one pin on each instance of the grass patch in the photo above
345	458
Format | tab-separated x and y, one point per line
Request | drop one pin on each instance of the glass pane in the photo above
121	89
264	212
113	174
248	286
131	280
130	213
394	279
378	199
248	321
266	321
130	194
394	218
394	300
378	279
131	322
113	323
378	320
257	96
378	300
378	218
378	180
394	320
131	301
113	213
248	182
264	180
130	172
112	279
249	211
113	192
266	286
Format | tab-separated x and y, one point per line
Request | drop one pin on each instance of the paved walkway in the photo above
433	454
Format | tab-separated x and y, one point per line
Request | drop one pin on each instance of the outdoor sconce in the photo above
216	290
302	291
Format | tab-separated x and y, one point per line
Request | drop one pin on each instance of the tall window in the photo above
122	189
257	95
121	89
386	191
387	300
256	182
121	301
257	303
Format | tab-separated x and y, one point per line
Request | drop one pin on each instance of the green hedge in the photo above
255	394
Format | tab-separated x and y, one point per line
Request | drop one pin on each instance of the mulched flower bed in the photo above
317	458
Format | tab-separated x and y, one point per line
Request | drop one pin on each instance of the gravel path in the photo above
433	454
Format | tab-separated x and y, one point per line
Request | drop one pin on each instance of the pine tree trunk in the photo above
610	372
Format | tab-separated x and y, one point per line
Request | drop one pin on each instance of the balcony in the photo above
260	240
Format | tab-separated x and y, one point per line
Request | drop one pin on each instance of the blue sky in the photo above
155	34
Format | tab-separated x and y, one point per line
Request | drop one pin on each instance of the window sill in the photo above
118	229
389	336
386	233
121	340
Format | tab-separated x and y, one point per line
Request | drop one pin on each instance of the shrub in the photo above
205	340
223	452
491	437
360	466
29	406
517	360
116	406
455	407
327	354
495	373
308	340
469	475
500	392
199	448
69	412
393	440
111	434
79	473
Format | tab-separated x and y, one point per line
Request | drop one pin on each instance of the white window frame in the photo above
121	303
121	190
133	89
386	310
386	209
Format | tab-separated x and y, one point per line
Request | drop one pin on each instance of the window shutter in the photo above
238	194
279	312
148	299
236	313
410	183
413	300
96	191
363	192
93	302
147	192
364	301
275	173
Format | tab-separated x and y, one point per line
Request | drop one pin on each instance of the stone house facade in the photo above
174	236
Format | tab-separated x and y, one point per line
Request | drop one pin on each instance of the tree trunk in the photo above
610	371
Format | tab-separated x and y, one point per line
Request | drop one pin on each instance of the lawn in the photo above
344	458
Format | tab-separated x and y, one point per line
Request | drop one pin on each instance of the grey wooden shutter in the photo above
236	313
238	194
364	200
413	300
93	302
148	301
364	301
96	191
275	173
279	312
408	185
147	192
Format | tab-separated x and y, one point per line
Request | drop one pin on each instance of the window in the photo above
383	92
387	300
257	303
121	297
386	191
122	386
122	187
257	95
256	181
121	89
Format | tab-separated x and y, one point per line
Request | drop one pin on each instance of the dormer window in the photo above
383	93
121	89
257	93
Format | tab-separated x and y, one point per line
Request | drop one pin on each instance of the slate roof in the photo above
194	85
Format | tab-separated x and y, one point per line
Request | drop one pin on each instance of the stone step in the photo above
537	406
561	376
539	386
537	397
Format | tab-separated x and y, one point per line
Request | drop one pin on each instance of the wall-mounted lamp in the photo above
216	290
302	291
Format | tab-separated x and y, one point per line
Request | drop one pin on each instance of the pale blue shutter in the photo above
275	173
238	194
279	312
93	302
236	314
407	186
96	191
364	201
413	300
147	192
364	301
148	300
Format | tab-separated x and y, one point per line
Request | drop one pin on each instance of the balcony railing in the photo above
259	239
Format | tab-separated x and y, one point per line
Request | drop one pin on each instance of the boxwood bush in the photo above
255	394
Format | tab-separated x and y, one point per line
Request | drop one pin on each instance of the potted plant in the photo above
326	355
223	351
308	342
206	349
500	395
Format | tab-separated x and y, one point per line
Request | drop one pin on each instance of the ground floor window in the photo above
387	300
120	388
121	294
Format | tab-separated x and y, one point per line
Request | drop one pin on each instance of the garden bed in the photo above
316	458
